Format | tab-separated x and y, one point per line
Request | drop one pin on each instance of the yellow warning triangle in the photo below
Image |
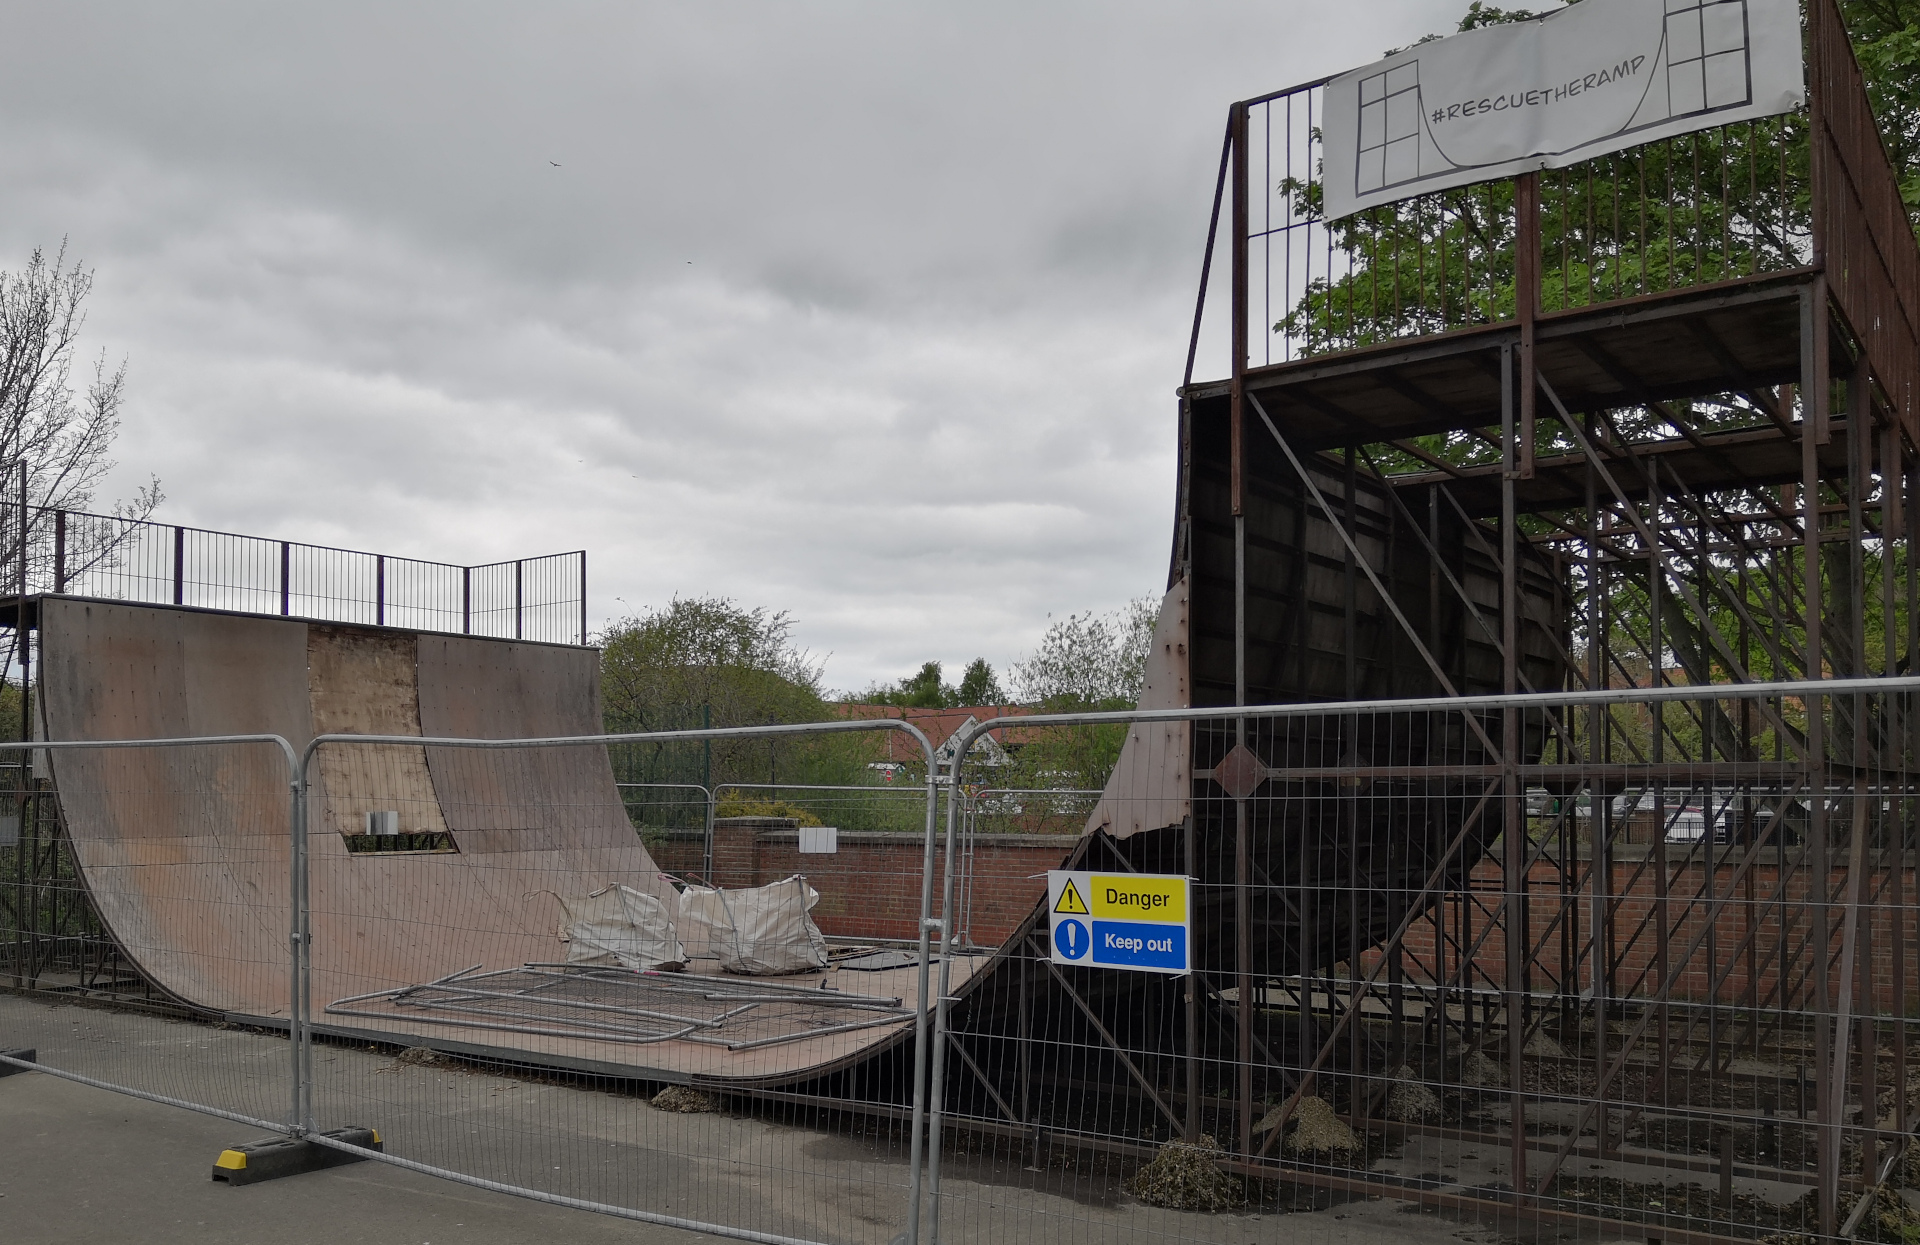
1070	900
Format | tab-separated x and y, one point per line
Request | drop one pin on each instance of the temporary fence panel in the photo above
1631	962
471	996
145	919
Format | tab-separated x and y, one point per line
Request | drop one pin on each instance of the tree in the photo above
917	691
979	686
926	690
708	661
1084	662
1087	662
706	657
59	436
55	440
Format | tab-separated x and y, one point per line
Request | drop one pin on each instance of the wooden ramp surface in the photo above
185	851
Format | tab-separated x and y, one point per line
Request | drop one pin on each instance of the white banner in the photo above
1591	78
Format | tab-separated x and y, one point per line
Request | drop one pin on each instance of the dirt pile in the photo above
1186	1177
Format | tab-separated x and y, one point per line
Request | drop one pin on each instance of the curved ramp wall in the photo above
185	851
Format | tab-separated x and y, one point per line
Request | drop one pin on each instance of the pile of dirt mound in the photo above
1186	1177
1409	1100
1483	1072
1317	1130
683	1100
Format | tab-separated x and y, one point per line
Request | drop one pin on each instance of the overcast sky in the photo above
869	312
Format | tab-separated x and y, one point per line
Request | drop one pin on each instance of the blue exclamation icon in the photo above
1072	939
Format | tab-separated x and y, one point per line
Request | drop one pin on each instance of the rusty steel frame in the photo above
1525	1203
1753	550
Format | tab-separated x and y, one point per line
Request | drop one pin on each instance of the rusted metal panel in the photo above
1861	229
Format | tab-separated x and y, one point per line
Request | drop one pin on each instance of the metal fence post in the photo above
300	1026
918	1139
583	596
706	782
179	566
379	589
937	1079
466	600
518	595
286	566
59	551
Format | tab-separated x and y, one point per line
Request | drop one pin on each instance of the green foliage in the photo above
708	661
979	685
10	712
1084	662
917	691
926	690
665	669
1702	207
1087	661
1480	14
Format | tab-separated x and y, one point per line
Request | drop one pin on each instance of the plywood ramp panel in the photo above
183	850
363	681
529	824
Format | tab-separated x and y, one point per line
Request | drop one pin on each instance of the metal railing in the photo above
119	559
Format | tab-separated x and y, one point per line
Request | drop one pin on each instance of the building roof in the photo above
939	725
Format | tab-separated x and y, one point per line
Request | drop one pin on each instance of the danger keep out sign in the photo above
1119	920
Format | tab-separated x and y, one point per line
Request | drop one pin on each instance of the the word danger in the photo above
1147	900
1133	946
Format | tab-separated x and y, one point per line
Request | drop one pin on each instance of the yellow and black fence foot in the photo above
24	1055
273	1157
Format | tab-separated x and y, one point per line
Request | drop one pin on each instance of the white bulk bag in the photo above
619	925
762	931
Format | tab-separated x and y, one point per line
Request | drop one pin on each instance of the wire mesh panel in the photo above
1714	205
144	920
533	977
1633	964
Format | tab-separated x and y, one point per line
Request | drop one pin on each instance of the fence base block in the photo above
25	1055
273	1157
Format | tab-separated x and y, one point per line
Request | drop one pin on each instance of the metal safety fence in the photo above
1635	961
462	938
168	861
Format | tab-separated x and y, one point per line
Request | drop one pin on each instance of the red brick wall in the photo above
870	888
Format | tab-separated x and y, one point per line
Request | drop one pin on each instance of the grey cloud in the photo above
915	385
